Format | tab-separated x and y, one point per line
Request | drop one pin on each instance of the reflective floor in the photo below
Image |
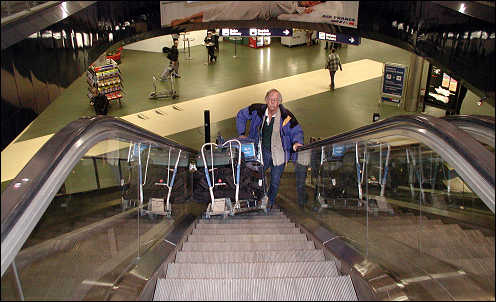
227	86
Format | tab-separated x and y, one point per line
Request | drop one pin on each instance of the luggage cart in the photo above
255	160
224	206
334	185
171	93
159	206
334	181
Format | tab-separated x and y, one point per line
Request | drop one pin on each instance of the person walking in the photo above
173	56
210	44
279	133
333	62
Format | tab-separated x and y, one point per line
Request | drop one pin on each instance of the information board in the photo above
393	82
256	32
338	151
340	38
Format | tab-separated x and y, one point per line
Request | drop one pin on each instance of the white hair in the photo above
272	91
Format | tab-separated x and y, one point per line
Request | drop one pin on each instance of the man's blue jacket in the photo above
290	130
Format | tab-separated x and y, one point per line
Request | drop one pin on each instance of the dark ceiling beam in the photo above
474	9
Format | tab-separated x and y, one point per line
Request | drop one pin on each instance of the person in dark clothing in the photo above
173	56
210	44
99	101
216	40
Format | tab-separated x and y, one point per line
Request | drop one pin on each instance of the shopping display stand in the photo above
108	80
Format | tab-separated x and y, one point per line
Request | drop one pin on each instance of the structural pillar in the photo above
415	71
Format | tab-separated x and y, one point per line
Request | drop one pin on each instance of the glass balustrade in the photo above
402	206
117	201
395	200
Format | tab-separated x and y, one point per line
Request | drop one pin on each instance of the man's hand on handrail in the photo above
296	146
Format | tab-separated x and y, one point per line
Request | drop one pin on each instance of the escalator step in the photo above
448	249
290	289
246	238
248	246
252	230
233	226
254	219
406	222
250	257
273	212
476	266
475	235
251	270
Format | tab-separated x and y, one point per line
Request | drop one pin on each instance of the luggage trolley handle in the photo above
171	184
236	178
207	175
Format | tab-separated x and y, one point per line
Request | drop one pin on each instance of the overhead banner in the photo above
342	13
340	38
256	32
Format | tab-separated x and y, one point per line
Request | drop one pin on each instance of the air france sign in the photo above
340	38
256	32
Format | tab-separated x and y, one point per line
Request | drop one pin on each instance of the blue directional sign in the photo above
256	32
394	79
338	151
340	38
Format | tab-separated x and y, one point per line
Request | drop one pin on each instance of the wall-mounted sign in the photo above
394	79
393	83
256	32
340	38
442	90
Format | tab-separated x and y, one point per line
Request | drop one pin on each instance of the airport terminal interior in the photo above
396	201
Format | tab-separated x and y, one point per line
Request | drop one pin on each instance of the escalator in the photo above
252	258
399	209
480	127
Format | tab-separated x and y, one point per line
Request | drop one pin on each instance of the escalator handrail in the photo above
480	126
473	162
28	195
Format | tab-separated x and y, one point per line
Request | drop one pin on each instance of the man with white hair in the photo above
279	132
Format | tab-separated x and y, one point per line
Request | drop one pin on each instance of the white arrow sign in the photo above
286	32
351	40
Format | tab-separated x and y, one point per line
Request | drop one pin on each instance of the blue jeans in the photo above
275	175
301	175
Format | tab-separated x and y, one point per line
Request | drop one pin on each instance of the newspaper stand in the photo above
107	79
